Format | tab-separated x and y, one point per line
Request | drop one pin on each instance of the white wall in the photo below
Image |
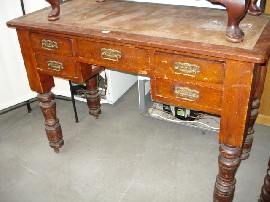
13	81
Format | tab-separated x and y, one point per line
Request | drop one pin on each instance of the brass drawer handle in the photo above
186	68
187	93
55	66
110	54
49	44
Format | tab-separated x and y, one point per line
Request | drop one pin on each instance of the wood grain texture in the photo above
130	22
209	99
206	70
68	70
236	102
259	78
52	125
139	38
63	45
93	97
40	83
228	162
131	59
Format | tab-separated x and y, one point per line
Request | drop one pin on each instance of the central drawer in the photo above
126	58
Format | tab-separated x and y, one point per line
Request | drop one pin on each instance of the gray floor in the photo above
122	156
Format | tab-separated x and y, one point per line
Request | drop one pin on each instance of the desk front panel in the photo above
181	80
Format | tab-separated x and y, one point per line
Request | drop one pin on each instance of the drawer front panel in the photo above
188	95
51	44
114	56
56	67
173	66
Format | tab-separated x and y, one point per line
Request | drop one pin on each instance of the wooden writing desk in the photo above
189	61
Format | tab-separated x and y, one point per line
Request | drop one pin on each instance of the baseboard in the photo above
263	120
17	100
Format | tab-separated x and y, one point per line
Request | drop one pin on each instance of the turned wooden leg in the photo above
250	133
253	8
93	97
265	193
52	126
260	78
55	12
228	161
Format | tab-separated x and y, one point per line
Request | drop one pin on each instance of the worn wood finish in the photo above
236	102
193	95
176	66
57	67
236	11
265	193
52	125
93	97
40	83
195	38
52	44
256	94
228	162
124	57
191	67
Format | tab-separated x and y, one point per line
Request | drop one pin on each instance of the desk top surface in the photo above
198	30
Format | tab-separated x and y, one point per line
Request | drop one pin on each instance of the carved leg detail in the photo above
55	12
260	78
52	126
228	161
236	11
93	97
265	194
254	9
249	138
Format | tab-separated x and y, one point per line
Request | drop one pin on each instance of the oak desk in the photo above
187	57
